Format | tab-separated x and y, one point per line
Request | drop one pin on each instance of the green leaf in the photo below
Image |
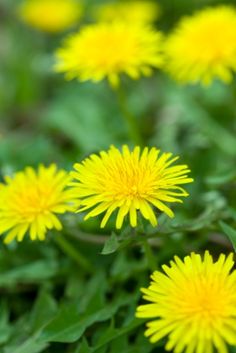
29	346
82	113
95	294
70	325
32	272
221	179
17	149
44	310
114	333
84	347
5	328
111	245
230	232
26	341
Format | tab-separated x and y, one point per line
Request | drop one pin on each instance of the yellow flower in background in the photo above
30	200
193	303
50	15
107	50
203	46
128	181
129	11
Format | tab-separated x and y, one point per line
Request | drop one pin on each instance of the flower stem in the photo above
149	254
128	117
73	253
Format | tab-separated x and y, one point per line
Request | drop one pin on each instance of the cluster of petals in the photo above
31	200
202	47
107	50
193	304
129	181
131	11
50	15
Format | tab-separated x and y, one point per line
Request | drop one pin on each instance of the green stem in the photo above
98	239
73	253
149	254
129	119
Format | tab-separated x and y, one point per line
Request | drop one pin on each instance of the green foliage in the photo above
111	245
230	232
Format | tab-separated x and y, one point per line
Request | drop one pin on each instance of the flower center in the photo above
33	202
205	300
131	188
104	46
211	38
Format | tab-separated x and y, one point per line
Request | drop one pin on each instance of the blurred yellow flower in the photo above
29	201
203	46
193	303
129	11
50	15
128	181
106	50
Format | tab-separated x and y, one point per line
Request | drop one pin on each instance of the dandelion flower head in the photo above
50	15
30	200
203	46
129	11
128	181
106	50
193	303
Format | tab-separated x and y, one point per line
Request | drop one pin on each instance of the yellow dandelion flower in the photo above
129	11
203	46
30	200
106	50
128	181
50	15
193	303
